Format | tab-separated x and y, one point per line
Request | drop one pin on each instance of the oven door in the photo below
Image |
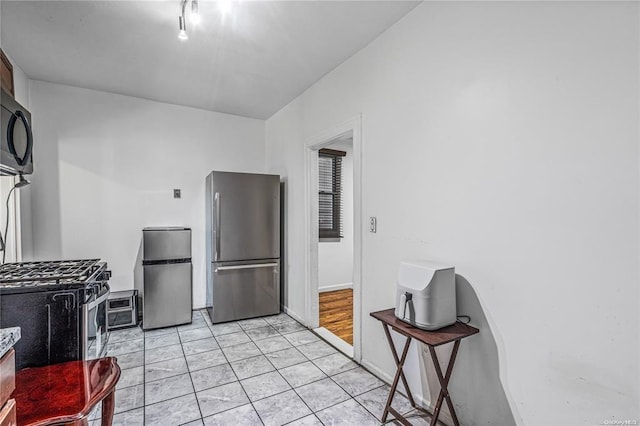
96	322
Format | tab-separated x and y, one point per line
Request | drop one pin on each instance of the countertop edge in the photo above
8	338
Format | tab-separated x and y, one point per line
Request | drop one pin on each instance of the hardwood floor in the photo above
336	313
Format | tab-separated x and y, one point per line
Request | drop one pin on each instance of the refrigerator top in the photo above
217	172
166	228
166	244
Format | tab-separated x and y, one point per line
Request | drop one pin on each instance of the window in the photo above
330	193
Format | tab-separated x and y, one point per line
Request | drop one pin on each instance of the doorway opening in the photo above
335	242
334	236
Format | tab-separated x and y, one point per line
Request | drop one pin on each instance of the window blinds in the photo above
330	193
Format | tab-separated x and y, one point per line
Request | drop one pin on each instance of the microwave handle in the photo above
22	161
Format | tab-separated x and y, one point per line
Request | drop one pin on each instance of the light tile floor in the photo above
264	371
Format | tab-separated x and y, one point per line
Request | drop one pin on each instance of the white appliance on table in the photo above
426	294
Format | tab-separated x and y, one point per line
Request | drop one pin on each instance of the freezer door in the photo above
167	295
166	244
245	290
246	216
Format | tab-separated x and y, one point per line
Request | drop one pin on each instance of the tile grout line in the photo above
286	381
340	372
265	355
313	363
239	382
195	396
270	363
298	395
144	377
111	342
379	387
145	364
168	377
357	365
354	396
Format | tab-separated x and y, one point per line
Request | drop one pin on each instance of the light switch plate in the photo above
176	193
373	225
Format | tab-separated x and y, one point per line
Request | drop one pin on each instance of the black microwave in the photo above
16	143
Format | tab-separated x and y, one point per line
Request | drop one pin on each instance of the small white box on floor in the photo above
426	294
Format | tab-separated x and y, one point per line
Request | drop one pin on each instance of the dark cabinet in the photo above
6	74
50	326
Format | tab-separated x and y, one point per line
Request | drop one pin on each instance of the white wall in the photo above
335	258
106	166
20	85
503	138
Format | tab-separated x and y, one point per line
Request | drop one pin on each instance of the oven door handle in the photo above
64	294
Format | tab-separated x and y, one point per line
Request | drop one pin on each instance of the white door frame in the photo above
313	144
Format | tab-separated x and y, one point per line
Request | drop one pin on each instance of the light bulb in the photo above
195	16
182	35
224	6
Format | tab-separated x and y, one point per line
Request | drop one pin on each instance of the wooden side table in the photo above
67	392
453	333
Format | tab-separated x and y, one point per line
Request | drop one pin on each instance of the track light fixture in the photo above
182	35
195	15
182	22
224	6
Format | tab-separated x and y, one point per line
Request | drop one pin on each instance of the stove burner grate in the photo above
48	271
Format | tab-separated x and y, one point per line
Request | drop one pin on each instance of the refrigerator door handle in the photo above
217	242
252	266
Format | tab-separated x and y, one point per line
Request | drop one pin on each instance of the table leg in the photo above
108	406
444	383
395	357
399	374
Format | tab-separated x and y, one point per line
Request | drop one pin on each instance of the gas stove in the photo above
60	307
55	273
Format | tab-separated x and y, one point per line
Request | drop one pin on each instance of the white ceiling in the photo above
252	63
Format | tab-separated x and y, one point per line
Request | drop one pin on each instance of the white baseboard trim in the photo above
335	341
335	287
294	315
444	417
286	311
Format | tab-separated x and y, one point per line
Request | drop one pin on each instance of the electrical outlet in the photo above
176	193
373	225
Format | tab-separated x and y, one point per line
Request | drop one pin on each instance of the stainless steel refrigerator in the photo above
164	276
243	245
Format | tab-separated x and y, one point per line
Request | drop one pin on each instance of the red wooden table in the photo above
453	333
66	392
